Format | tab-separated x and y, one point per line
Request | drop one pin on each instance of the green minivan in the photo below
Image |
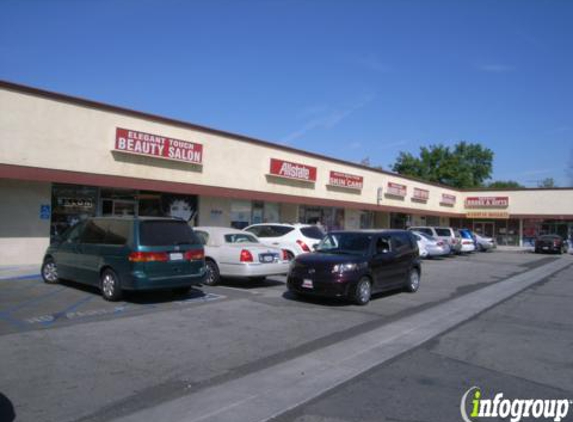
127	253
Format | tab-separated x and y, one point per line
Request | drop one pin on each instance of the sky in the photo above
346	79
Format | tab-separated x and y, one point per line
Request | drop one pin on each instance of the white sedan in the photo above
235	253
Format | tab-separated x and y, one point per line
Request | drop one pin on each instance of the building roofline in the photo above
181	123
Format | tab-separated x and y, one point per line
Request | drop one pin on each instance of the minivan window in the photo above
313	232
118	232
94	232
164	233
443	232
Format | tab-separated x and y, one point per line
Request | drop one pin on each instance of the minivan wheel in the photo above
49	271
413	281
363	292
110	286
213	276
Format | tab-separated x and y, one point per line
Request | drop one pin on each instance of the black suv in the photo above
356	264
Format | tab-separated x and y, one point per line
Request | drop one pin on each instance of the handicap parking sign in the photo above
45	212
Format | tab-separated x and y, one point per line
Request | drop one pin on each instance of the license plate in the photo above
307	284
175	256
545	248
267	258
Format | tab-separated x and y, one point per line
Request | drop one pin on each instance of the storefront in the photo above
65	159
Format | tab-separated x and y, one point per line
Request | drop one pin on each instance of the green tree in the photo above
548	182
504	184
466	165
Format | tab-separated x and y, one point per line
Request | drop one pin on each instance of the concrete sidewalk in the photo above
17	272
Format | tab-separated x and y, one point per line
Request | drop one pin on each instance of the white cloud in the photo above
328	119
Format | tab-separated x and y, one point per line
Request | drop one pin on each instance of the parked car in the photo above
485	244
551	243
127	253
235	253
294	238
447	234
468	240
432	246
356	264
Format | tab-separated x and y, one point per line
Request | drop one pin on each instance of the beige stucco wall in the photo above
46	133
24	237
214	211
41	132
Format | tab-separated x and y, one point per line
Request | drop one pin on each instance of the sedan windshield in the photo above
345	243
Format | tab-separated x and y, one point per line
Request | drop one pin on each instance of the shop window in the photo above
240	214
366	219
70	205
271	213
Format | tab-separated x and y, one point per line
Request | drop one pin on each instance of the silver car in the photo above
431	245
447	234
236	253
485	244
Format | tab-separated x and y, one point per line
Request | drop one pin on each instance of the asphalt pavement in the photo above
69	356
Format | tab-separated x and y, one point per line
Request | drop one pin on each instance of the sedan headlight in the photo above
343	268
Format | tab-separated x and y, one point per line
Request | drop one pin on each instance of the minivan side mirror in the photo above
382	248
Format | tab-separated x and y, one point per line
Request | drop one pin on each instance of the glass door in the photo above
484	228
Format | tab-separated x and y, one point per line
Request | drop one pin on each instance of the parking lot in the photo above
157	347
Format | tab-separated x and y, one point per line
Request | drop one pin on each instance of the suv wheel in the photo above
413	281
49	271
363	292
213	276
110	285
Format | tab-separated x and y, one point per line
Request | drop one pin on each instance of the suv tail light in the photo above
303	245
195	255
284	254
148	257
246	256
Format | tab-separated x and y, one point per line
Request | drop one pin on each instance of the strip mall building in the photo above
64	158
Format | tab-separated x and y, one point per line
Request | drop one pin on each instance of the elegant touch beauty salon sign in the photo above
141	143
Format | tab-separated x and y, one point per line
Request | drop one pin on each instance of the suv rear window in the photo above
166	233
270	231
443	232
313	232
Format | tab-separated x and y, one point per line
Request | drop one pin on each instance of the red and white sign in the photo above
448	199
345	180
421	194
141	143
487	202
292	170
396	189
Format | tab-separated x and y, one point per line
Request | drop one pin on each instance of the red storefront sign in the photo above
396	189
141	143
293	170
345	180
448	199
421	194
487	202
